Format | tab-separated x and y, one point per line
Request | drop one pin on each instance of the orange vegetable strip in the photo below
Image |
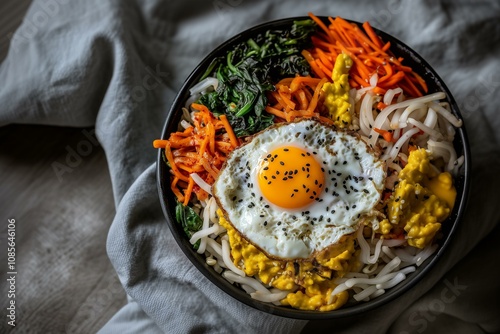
322	26
385	134
307	55
301	97
177	193
229	130
211	135
173	167
371	33
325	69
324	58
275	112
285	96
394	79
189	190
200	107
314	102
210	169
159	143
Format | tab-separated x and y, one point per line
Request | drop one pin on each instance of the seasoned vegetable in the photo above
247	72
189	221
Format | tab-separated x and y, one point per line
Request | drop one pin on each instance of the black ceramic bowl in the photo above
168	201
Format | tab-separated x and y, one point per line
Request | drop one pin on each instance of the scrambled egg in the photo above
422	199
310	282
337	92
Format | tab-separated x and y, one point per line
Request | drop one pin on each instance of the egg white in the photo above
354	180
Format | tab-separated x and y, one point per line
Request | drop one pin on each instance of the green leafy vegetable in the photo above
248	71
189	220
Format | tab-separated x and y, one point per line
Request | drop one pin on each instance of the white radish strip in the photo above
392	282
203	233
408	270
447	115
200	182
449	147
394	166
214	248
248	289
374	258
394	122
432	133
370	269
382	116
431	118
401	141
338	289
387	251
404	117
374	80
365	293
360	92
389	95
190	101
377	293
390	267
404	256
185	124
425	253
393	242
226	256
205	226
365	248
354	275
204	85
365	113
252	282
269	297
376	280
213	210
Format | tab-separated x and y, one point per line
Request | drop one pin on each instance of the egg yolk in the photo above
290	177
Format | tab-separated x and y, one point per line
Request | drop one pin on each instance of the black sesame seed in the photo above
285	149
282	163
354	206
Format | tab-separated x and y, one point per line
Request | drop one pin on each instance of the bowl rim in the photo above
198	260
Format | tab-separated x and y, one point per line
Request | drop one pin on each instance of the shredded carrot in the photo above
369	53
303	102
201	148
387	135
229	130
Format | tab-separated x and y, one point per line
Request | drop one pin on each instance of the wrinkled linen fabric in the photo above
117	65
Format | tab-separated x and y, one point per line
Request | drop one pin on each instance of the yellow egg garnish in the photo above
422	199
337	92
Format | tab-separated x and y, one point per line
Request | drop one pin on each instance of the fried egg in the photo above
296	188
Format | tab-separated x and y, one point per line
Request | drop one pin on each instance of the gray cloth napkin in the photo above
117	65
